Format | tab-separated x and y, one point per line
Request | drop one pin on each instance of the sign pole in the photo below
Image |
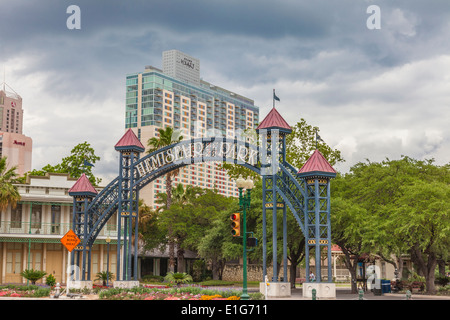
68	273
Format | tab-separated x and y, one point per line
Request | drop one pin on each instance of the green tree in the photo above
174	217
147	224
301	143
8	192
348	228
213	241
75	164
193	213
167	137
422	219
399	207
212	245
78	162
195	218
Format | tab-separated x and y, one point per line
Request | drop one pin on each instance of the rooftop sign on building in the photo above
181	66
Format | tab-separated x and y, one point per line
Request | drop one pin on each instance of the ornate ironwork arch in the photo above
305	192
106	203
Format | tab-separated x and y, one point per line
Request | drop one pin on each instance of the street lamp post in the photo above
244	204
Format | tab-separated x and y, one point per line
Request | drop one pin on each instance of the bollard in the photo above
57	290
408	295
360	294
314	294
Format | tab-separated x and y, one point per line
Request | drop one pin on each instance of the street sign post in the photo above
70	240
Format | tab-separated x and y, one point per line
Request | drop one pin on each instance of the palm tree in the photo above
167	137
8	192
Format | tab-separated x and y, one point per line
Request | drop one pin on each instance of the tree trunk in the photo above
171	252
293	274
215	269
441	266
351	268
400	267
426	268
180	260
221	268
295	257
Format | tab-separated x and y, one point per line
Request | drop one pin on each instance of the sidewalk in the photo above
296	294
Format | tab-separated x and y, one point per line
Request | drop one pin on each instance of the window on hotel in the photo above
36	216
16	216
55	219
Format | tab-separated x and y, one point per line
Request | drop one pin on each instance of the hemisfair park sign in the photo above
306	192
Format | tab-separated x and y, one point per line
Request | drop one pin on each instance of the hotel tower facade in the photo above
177	97
14	145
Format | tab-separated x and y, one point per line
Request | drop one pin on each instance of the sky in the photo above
375	91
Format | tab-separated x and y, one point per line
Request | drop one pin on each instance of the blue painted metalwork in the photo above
306	195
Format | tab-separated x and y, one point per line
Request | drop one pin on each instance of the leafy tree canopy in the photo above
81	160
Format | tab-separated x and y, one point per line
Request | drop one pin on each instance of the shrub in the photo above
33	275
152	278
198	270
104	276
442	280
50	281
178	278
41	292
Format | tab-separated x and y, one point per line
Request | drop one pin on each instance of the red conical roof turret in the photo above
317	165
129	141
274	121
83	187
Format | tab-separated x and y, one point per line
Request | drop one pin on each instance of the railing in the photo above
40	229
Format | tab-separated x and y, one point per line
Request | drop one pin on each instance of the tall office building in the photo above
13	143
176	96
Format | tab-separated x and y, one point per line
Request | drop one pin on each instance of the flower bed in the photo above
24	291
163	293
9	293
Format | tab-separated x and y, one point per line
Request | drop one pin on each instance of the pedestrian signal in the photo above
235	224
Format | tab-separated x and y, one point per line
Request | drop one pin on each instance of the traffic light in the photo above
235	224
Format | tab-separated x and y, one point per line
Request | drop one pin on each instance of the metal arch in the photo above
286	184
97	221
105	202
202	140
143	181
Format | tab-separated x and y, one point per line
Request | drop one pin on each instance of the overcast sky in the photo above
374	93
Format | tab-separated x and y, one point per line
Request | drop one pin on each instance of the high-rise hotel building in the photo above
14	145
176	96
